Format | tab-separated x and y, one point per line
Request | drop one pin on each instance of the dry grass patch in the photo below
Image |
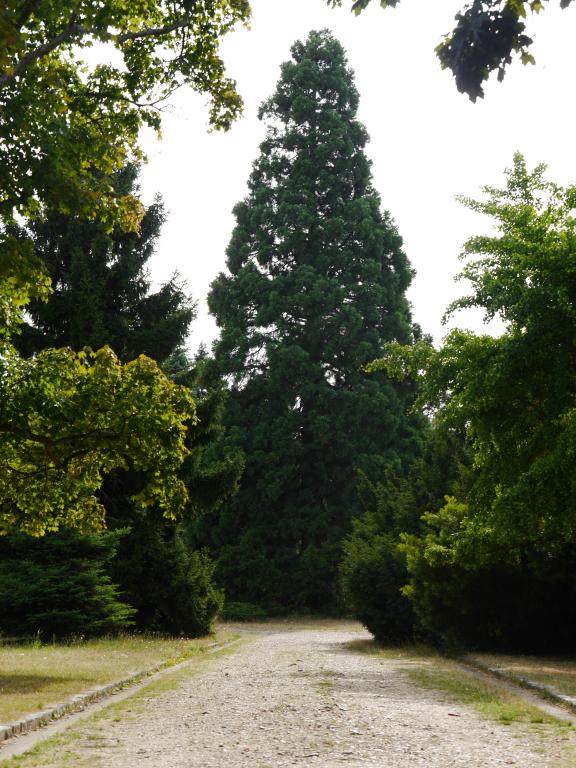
553	672
34	677
72	748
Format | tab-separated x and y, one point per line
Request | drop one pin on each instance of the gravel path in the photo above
303	698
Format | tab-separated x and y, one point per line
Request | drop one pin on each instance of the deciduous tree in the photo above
515	393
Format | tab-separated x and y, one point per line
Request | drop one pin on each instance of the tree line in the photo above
324	456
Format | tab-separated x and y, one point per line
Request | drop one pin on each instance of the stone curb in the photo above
82	700
545	691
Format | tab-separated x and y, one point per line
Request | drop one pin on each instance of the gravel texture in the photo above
303	698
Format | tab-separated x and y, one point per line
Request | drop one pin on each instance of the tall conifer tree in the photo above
316	284
101	289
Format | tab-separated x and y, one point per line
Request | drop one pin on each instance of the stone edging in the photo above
547	692
82	700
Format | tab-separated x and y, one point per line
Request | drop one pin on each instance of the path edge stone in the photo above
544	691
81	701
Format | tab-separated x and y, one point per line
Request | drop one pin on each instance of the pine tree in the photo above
57	586
316	284
101	291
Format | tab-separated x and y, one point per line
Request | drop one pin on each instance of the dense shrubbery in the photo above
493	566
373	571
57	586
496	598
169	585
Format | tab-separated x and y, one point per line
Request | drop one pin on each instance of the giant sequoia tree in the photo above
316	284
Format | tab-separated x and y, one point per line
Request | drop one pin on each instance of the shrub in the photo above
469	592
56	586
170	586
373	573
238	611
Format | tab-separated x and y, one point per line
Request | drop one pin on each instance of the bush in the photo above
238	611
489	597
170	586
372	574
56	586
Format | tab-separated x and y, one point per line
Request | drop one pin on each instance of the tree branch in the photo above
71	31
151	32
75	30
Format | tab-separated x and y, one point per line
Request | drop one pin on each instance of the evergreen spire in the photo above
316	284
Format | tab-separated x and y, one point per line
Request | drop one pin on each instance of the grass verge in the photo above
78	746
33	678
554	673
487	698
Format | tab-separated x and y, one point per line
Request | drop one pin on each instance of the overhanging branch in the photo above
73	31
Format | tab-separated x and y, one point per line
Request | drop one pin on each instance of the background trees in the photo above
102	296
316	284
493	566
100	288
65	127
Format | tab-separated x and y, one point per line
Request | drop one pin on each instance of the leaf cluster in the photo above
66	123
487	35
67	418
514	394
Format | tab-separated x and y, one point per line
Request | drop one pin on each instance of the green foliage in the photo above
67	123
168	583
475	593
238	611
101	291
67	419
515	394
56	586
493	567
486	36
373	571
65	127
102	296
316	284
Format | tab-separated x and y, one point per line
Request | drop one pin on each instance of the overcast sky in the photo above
428	142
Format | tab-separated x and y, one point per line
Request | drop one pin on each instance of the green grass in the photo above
62	750
36	677
555	673
487	698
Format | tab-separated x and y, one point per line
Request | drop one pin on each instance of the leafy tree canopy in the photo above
67	418
101	292
488	33
67	123
515	394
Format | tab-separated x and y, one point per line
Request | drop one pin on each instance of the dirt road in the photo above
306	698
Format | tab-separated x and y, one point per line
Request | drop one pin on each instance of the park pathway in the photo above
309	697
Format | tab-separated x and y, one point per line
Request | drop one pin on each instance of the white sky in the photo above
428	142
